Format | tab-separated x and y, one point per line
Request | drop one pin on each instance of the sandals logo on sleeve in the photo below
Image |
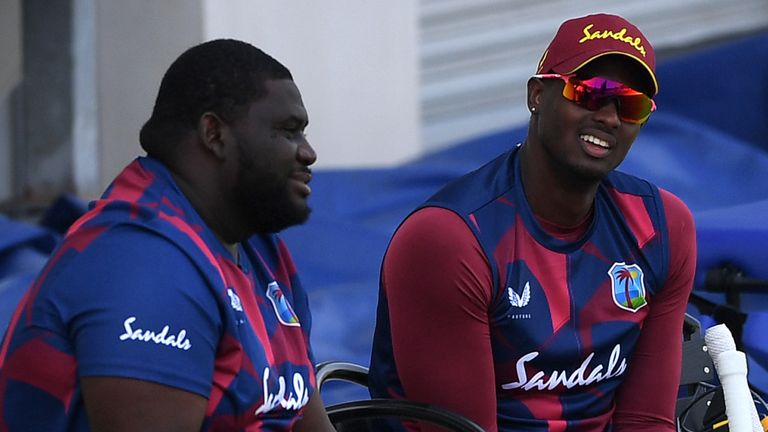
627	287
283	309
161	337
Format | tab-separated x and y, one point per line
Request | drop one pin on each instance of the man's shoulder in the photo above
479	187
142	198
114	226
116	238
631	184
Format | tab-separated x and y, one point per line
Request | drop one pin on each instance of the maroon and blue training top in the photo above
525	326
142	289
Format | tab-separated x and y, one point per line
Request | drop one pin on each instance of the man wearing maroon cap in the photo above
546	291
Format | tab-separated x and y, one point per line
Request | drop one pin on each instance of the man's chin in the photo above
283	220
302	216
301	210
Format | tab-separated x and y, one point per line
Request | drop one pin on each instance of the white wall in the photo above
85	104
134	43
10	45
355	63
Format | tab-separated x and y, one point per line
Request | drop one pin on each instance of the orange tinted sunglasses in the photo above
593	93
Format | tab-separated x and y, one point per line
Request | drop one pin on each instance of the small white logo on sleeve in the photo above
234	300
162	337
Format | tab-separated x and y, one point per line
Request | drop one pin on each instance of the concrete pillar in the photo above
41	156
10	46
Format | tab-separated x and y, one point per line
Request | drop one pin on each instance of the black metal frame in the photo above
355	411
697	368
359	412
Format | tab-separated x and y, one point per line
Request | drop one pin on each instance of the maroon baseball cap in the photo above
578	41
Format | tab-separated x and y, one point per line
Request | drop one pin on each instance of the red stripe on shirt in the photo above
44	367
244	289
548	267
229	356
636	215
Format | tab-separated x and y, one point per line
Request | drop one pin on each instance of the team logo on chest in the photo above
627	287
283	309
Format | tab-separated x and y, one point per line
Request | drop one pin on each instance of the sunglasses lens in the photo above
594	93
635	108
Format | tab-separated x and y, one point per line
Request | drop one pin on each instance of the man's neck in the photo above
560	201
212	209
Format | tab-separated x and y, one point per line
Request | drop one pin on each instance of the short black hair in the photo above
222	76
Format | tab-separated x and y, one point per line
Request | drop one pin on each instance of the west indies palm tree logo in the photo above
627	286
283	309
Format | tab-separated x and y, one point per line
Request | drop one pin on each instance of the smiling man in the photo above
172	305
546	291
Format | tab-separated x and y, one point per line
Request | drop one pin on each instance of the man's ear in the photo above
535	89
211	130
